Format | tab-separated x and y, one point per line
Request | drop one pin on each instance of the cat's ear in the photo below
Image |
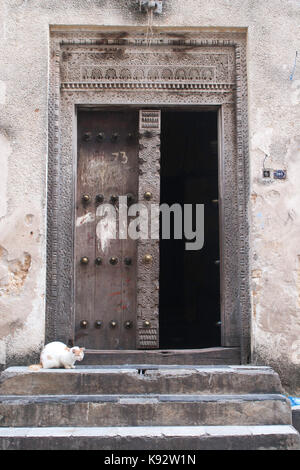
82	349
67	349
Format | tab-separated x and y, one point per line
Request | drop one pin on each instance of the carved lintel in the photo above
214	87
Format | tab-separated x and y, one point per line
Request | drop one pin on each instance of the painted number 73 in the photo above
122	155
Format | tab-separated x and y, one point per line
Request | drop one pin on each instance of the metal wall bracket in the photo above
147	5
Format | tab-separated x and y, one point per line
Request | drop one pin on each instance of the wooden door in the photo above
105	266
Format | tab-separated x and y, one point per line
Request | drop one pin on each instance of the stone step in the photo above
144	410
207	356
152	438
142	379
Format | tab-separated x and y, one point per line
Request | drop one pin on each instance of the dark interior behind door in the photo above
189	308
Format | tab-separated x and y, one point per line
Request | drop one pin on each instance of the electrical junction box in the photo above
267	173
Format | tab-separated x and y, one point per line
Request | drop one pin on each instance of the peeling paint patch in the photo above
29	219
256	273
272	195
85	219
254	197
13	273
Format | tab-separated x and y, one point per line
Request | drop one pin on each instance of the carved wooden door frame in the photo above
100	68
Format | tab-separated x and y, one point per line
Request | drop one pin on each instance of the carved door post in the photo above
148	248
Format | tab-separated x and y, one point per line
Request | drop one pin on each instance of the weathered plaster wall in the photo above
273	38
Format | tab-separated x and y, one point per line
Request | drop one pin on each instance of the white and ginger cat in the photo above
56	355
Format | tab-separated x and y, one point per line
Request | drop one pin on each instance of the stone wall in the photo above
273	38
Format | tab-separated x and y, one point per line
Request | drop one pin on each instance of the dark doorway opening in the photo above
189	305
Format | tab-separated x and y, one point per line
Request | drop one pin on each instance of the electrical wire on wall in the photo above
150	6
149	34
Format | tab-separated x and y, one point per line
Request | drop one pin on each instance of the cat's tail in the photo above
35	367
